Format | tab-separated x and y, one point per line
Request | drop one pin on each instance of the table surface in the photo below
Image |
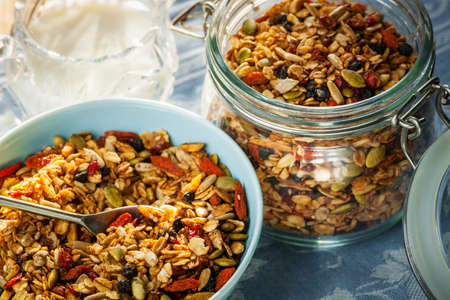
374	269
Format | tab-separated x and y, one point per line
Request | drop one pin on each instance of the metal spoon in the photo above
95	223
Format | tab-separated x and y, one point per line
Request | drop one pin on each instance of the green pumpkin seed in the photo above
113	196
250	27
117	252
214	158
352	170
292	95
77	141
52	279
216	253
226	216
225	169
226	183
375	156
243	54
225	262
164	297
265	62
353	78
227	227
362	199
137	288
238	236
145	154
348	92
136	160
340	186
199	296
342	209
58	141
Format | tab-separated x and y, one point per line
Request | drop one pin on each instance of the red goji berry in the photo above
209	167
254	152
371	79
166	165
65	259
122	220
327	21
194	230
18	193
215	200
183	285
13	281
223	277
371	20
331	102
317	54
60	290
10	169
255	78
126	134
75	272
240	201
389	39
261	19
292	49
339	82
93	166
38	160
358	7
101	141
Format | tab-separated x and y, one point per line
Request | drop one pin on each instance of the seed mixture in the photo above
319	53
186	250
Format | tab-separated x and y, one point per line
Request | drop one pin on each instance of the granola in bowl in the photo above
188	252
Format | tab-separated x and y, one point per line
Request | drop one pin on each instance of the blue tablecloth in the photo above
374	269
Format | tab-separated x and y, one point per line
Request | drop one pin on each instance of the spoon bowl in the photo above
94	223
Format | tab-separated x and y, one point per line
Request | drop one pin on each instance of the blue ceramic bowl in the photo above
138	116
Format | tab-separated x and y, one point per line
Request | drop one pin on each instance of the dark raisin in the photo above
322	93
355	65
281	72
288	26
81	176
327	42
311	85
295	178
160	234
365	94
129	271
172	234
189	196
280	19
1	290
405	49
210	285
105	171
138	145
178	225
124	286
310	93
272	180
264	152
378	48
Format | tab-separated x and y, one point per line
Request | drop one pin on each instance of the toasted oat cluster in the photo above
319	53
187	250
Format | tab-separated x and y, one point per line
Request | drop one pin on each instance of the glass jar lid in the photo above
426	221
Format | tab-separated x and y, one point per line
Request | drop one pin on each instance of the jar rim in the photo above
376	106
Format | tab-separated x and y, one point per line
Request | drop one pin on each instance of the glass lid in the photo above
426	222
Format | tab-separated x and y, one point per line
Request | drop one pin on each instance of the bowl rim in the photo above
124	101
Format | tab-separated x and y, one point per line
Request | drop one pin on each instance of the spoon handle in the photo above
42	210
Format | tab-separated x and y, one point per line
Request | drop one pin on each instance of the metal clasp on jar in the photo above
208	8
410	124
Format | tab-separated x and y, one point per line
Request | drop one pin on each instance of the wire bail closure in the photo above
411	125
208	8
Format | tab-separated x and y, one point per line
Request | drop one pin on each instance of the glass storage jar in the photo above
330	175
